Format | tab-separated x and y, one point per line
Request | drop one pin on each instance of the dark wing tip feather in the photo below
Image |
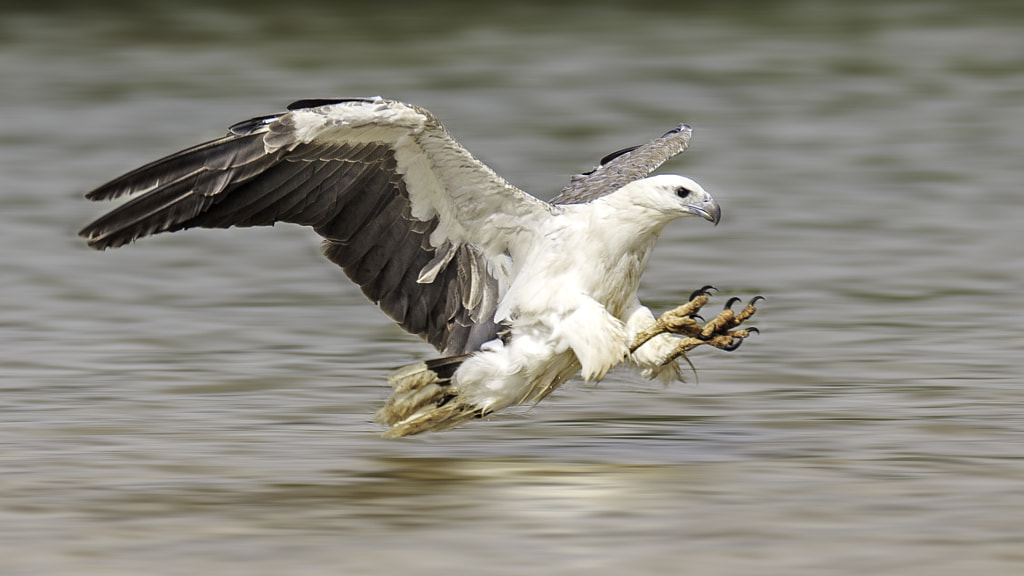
222	151
624	166
318	102
167	210
246	127
678	130
609	157
173	191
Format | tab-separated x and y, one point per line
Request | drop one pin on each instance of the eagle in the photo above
517	294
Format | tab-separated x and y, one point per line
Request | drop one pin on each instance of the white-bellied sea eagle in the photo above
516	293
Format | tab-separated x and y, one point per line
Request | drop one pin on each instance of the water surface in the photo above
200	402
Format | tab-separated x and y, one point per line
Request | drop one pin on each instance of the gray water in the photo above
200	403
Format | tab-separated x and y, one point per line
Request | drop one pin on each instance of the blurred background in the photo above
201	403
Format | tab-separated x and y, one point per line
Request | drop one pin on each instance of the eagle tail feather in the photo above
425	399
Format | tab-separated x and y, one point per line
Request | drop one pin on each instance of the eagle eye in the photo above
682	192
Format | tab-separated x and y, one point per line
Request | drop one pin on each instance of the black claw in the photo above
735	344
754	330
697	317
703	291
755	300
732	301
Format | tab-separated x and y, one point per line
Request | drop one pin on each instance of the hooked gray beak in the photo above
708	210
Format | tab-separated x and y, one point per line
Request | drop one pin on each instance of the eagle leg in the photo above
681	320
721	332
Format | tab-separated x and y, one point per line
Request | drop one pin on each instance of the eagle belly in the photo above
566	315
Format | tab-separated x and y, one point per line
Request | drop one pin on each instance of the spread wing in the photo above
417	222
624	166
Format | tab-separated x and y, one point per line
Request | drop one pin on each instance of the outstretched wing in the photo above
624	166
417	222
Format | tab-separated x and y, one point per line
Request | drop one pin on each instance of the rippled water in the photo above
200	402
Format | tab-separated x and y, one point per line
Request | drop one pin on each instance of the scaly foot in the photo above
721	332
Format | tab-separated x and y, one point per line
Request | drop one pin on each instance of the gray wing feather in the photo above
624	166
350	193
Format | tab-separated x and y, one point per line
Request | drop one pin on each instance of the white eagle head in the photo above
669	195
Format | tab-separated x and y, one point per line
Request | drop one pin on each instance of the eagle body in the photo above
517	294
